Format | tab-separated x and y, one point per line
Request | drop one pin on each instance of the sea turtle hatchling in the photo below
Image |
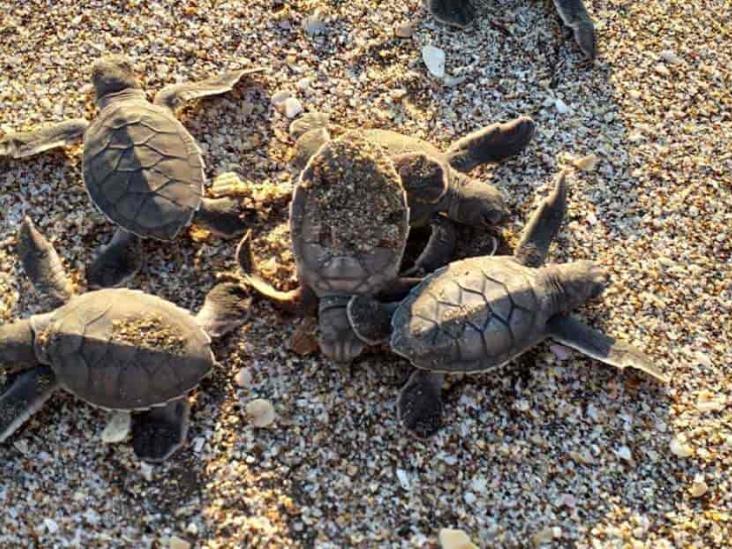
574	16
141	167
438	190
117	349
349	223
477	314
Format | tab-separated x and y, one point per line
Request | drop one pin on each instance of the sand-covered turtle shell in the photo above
349	218
123	349
143	169
473	315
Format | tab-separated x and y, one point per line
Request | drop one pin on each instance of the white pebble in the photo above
698	488
179	543
669	56
451	538
404	479
293	107
434	58
561	106
261	412
279	98
243	378
624	453
147	471
303	84
680	448
50	525
315	23
117	428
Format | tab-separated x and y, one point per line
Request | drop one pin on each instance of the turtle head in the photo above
576	283
337	339
475	203
112	74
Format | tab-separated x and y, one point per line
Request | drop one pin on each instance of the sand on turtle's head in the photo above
112	74
355	195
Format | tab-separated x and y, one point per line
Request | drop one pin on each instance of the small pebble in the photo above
698	489
279	97
260	412
292	107
405	30
586	163
434	58
315	23
561	106
560	351
680	448
147	471
669	56
179	543
117	428
243	378
455	539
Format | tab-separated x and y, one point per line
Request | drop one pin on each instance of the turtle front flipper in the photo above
458	13
543	226
574	15
370	319
226	308
51	136
593	343
439	250
23	395
175	95
159	432
117	262
42	264
300	300
420	403
491	144
221	216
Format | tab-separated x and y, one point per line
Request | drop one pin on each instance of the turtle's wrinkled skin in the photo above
117	349
574	16
141	167
479	313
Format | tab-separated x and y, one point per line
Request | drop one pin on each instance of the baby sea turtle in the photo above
117	349
574	16
141	167
477	314
438	191
349	222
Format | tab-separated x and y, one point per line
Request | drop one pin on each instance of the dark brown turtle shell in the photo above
123	349
143	169
471	316
349	218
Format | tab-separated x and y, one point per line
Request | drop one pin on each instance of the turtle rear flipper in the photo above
221	216
42	264
226	307
543	226
175	95
300	300
370	319
439	249
491	144
52	136
574	15
159	432
593	343
117	262
23	396
458	13
420	403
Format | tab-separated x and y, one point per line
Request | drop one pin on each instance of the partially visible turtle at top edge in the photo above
348	222
116	349
141	167
438	190
574	16
478	314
